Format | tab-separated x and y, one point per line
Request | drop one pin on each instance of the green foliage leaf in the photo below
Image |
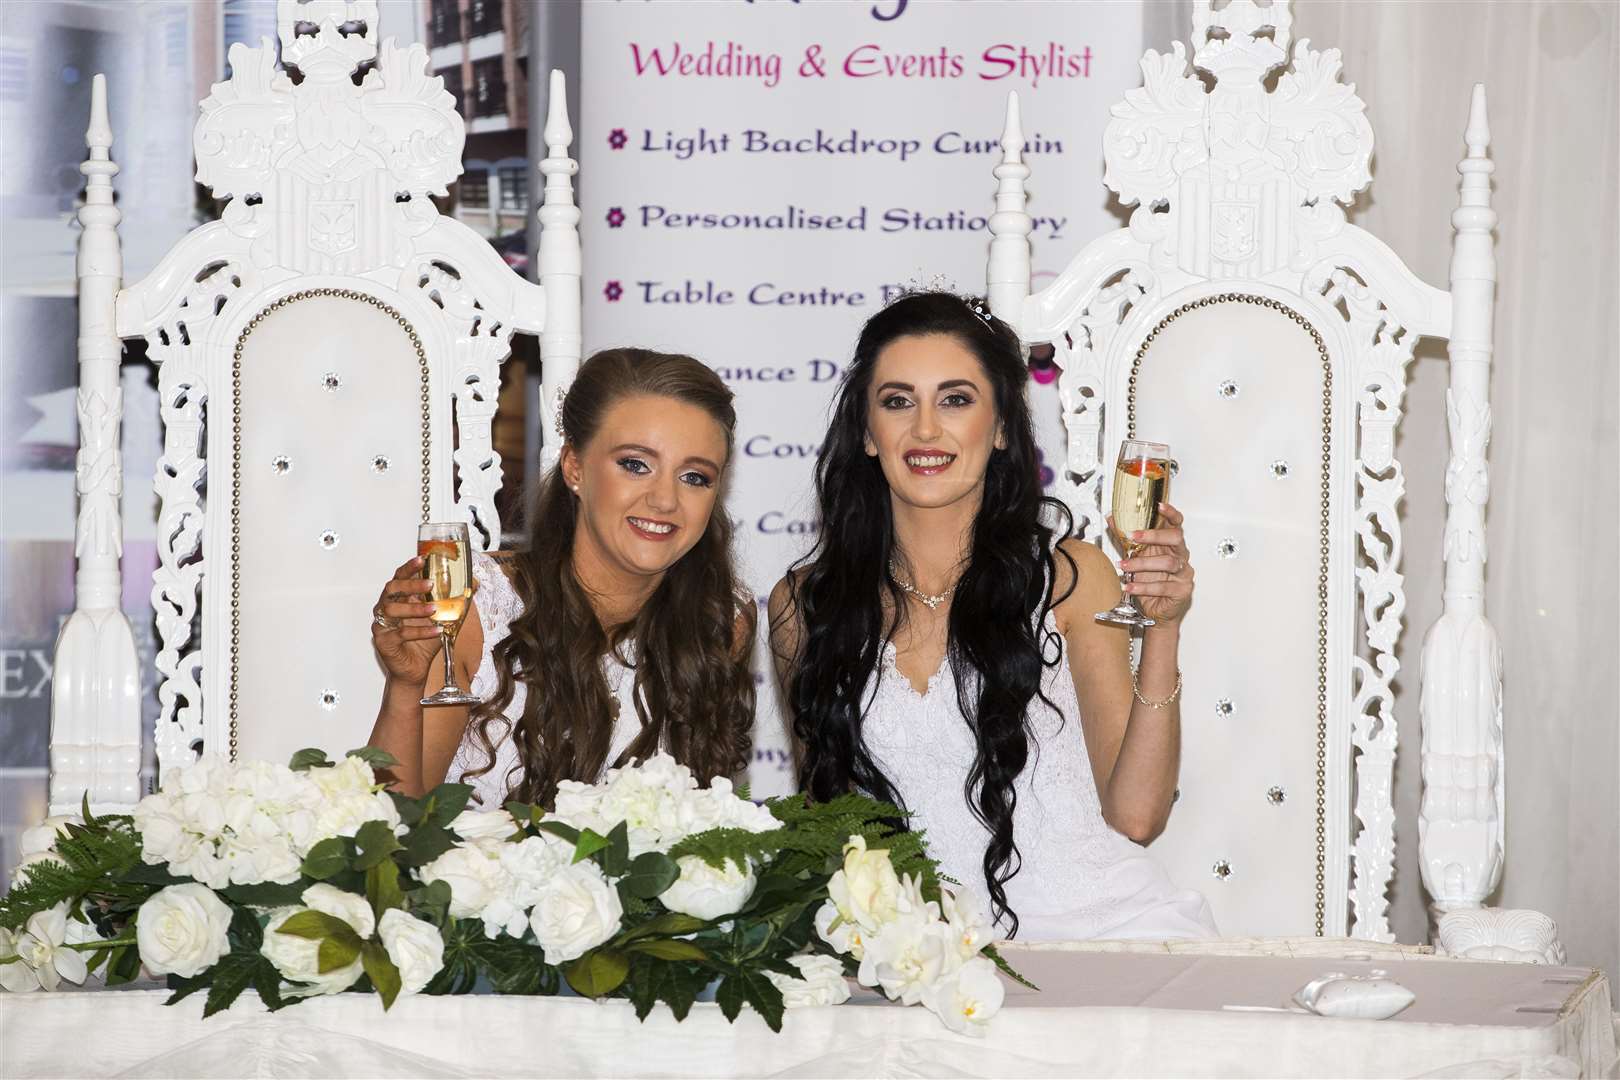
410	810
598	974
316	925
678	986
671	923
588	844
308	758
1006	968
374	841
265	894
246	935
649	874
231	976
430	901
337	952
426	842
381	970
525	813
616	856
377	759
557	828
100	862
382	887
449	800
754	989
326	858
519	968
667	949
182	988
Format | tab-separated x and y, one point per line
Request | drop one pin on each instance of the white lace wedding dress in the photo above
1080	879
498	604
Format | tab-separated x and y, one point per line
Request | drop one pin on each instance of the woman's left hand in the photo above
1161	569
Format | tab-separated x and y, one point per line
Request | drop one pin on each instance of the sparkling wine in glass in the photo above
446	562
1141	486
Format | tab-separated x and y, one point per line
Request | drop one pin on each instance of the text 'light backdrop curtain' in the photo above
763	177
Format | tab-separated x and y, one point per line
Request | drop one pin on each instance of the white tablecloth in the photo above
1102	1011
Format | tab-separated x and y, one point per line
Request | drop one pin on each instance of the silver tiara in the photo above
557	415
942	283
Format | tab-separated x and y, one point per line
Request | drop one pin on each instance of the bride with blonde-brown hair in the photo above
617	633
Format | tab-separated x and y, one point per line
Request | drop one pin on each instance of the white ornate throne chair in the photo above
328	364
1241	318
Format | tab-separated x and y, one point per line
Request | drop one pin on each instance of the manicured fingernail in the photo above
1137	535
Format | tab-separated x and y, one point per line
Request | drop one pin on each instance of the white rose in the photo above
907	956
866	889
843	934
577	911
483	825
182	930
480	888
298	958
707	893
350	907
821	981
968	997
415	947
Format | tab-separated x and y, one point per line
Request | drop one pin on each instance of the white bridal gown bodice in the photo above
1080	878
498	604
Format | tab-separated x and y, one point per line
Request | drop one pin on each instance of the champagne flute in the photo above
1141	485
446	562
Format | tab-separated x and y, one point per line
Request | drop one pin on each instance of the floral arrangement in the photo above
310	879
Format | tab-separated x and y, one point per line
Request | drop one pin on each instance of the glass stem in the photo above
449	670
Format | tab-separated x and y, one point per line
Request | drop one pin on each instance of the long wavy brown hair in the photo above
694	689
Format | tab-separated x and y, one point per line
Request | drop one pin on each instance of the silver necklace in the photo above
932	601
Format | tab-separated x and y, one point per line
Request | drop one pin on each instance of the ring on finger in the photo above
383	621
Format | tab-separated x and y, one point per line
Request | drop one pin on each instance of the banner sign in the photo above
759	178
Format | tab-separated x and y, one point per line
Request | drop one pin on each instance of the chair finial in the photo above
1478	133
98	136
1012	132
558	133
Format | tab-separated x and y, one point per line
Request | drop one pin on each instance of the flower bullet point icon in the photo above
617	138
615	218
613	291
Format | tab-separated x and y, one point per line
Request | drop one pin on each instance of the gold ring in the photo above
382	620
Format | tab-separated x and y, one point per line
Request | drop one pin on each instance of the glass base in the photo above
452	695
1123	614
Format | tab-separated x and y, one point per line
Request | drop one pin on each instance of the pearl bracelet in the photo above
1136	688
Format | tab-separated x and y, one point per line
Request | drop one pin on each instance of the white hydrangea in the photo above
480	887
225	824
660	803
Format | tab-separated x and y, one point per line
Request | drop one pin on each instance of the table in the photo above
1105	1009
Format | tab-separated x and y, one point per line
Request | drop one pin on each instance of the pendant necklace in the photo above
932	601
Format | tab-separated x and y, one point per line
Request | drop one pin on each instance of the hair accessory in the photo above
1136	688
940	283
557	415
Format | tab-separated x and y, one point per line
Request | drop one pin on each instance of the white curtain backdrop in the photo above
1553	585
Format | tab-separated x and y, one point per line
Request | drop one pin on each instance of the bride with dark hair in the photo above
937	647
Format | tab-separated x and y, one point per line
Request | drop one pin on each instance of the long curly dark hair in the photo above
695	689
996	648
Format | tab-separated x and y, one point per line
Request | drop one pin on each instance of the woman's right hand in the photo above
409	643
